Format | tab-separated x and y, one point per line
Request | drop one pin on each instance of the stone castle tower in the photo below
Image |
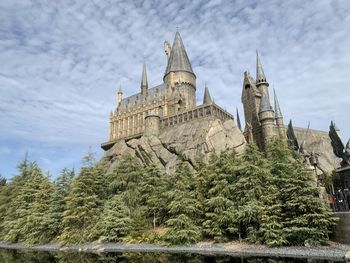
164	106
159	124
262	122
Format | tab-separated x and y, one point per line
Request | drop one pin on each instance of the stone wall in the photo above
341	232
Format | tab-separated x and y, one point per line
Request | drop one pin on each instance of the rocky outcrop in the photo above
319	143
186	142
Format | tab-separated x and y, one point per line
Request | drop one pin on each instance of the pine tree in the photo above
219	215
115	222
37	193
184	209
306	218
83	204
153	194
25	219
256	198
127	175
2	181
5	200
126	180
8	206
58	203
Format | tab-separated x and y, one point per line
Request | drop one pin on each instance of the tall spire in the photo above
260	75
207	98
178	60
264	103
144	82
278	113
120	95
238	120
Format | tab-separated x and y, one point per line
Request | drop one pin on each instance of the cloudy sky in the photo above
62	61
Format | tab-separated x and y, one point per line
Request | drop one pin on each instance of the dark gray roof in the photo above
278	113
264	103
157	92
238	120
207	98
178	60
260	75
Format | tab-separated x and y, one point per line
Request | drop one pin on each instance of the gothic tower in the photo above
279	118
251	104
144	82
266	117
179	78
259	115
261	82
206	98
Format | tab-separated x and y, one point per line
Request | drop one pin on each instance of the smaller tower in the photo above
207	98
266	117
238	120
152	124
279	118
120	95
144	82
261	82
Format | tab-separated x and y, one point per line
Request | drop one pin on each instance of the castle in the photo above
174	102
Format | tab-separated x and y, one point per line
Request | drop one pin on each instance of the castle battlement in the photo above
154	127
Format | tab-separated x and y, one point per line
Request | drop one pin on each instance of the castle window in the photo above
247	86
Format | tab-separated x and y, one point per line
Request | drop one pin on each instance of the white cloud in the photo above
62	61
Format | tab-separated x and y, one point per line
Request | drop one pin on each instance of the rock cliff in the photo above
187	142
320	143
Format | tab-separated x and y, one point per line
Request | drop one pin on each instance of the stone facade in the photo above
169	104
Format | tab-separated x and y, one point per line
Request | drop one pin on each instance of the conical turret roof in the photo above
178	60
144	81
207	98
260	75
278	113
238	120
264	103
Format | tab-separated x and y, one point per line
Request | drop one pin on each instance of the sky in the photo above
61	63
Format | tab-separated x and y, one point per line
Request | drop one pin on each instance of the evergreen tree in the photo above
258	208
2	181
126	180
127	175
115	222
306	218
26	217
184	208
58	203
5	194
153	195
83	204
37	192
219	215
